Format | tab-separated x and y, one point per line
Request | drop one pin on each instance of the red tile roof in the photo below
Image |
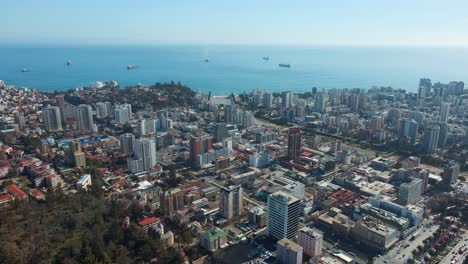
16	191
6	197
37	193
148	221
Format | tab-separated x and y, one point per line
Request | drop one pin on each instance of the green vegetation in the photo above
79	228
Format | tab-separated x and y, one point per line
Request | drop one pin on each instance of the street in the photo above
453	256
399	254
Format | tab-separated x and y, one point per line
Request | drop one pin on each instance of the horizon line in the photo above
161	44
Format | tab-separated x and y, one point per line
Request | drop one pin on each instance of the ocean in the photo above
231	69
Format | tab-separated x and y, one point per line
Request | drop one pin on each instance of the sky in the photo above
257	22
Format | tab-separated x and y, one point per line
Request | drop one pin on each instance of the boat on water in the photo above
266	58
284	65
207	60
69	62
131	67
25	70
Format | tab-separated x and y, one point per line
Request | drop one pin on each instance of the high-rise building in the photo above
443	135
410	192
320	102
172	201
84	114
408	130
76	154
286	99
294	143
451	172
229	113
230	202
146	126
199	146
283	215
268	100
354	102
431	138
52	119
310	241
19	119
424	89
444	112
60	100
144	155
221	131
123	114
127	142
103	109
289	252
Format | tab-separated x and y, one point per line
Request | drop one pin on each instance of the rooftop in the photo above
213	233
289	245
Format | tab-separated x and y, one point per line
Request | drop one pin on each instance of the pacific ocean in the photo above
231	69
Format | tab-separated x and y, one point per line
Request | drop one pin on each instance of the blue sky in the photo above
282	22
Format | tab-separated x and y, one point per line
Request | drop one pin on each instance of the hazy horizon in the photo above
367	23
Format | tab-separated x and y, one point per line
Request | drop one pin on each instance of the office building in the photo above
213	239
230	202
310	241
288	252
283	215
52	119
410	192
294	143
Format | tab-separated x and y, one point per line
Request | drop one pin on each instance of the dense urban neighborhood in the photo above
166	174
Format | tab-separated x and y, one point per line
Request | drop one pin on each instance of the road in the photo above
399	254
453	254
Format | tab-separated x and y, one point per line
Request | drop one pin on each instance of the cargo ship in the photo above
266	58
131	67
284	65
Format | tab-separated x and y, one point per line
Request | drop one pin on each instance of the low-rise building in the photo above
84	182
213	239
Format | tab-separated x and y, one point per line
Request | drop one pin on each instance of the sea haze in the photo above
232	69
